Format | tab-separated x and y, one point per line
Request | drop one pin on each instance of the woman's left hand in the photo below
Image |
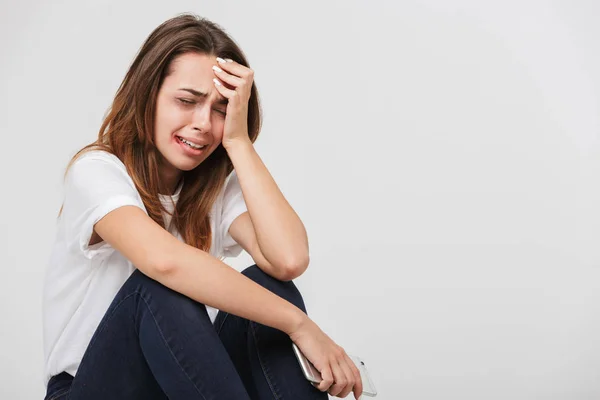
234	82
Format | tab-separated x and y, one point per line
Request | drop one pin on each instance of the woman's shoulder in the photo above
98	162
94	166
100	155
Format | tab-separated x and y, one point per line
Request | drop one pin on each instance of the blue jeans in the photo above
154	343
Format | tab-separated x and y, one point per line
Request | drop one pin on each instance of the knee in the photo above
140	282
157	296
286	290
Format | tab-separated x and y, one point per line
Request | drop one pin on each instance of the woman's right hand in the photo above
339	374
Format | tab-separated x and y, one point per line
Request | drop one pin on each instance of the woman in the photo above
135	280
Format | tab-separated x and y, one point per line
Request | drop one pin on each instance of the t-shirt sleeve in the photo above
233	206
94	186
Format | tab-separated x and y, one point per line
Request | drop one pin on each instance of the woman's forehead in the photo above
193	63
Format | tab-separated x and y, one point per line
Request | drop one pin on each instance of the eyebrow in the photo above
221	100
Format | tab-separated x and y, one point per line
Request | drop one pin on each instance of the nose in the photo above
201	118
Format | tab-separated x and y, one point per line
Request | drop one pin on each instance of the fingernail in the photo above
217	68
220	60
228	60
216	81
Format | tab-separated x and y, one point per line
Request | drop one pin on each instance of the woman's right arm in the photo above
204	278
193	272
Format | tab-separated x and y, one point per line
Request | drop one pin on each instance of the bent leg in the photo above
155	343
262	355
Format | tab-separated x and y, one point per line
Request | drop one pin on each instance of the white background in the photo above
444	156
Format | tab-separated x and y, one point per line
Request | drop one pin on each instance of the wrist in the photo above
236	145
296	321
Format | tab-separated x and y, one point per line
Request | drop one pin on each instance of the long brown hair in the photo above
128	128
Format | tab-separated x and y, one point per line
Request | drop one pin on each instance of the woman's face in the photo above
190	113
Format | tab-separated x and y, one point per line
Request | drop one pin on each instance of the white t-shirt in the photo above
81	280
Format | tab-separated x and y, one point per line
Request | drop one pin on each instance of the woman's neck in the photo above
170	178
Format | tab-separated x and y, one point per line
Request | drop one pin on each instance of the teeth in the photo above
192	145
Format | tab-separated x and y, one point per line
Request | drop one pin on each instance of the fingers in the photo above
227	78
233	80
326	379
349	377
234	68
358	386
338	373
238	76
229	94
339	379
345	375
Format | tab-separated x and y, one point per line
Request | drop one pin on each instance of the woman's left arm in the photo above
277	240
277	232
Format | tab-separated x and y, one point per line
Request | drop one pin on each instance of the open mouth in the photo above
189	144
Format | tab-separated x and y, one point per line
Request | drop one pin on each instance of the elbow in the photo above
294	267
162	269
158	267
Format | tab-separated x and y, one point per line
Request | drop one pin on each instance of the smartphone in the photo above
311	373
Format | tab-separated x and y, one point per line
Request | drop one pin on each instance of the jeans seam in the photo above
60	393
169	348
159	330
93	341
222	323
262	365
